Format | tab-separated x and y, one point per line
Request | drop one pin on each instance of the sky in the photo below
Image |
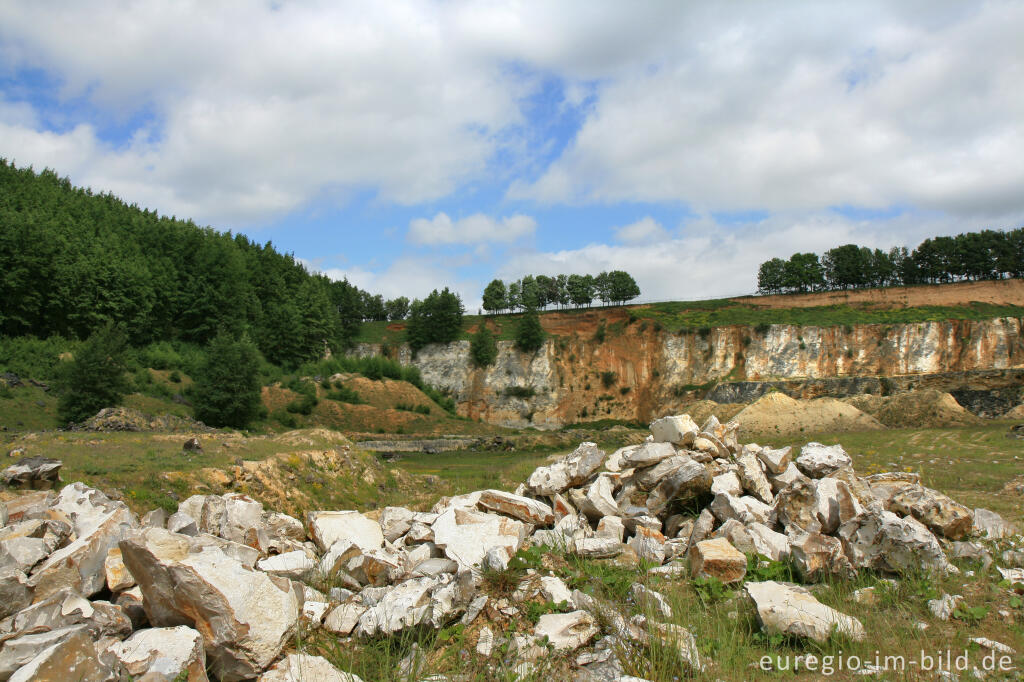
415	145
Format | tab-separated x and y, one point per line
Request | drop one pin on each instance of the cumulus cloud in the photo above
475	229
710	260
646	229
808	106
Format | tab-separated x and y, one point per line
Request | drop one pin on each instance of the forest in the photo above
988	254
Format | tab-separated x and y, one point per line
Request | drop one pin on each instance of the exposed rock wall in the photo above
640	373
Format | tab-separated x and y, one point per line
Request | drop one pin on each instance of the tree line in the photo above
988	254
72	261
540	291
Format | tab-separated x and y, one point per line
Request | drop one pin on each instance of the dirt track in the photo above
1000	292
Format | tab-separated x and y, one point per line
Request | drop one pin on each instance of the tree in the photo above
803	272
436	319
95	379
771	276
622	286
580	289
482	347
226	391
530	334
495	297
603	287
397	308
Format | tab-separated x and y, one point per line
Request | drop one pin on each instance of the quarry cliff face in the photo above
639	373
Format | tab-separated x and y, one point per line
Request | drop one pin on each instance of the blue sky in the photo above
414	145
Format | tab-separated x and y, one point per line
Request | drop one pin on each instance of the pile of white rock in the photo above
220	585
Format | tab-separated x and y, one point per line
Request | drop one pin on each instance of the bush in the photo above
600	332
520	391
762	328
174	377
95	379
529	334
608	379
29	357
226	391
482	347
344	394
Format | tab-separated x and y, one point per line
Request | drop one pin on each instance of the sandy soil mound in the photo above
702	409
777	413
929	408
1015	413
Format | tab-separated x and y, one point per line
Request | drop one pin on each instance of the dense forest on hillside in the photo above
72	261
989	254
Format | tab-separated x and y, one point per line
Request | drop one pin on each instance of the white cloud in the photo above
475	229
710	260
646	229
411	277
806	106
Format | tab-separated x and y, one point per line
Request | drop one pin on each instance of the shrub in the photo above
96	377
762	328
226	391
344	394
482	347
174	377
625	389
608	378
600	332
520	391
529	334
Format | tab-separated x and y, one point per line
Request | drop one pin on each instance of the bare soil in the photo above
999	292
927	408
778	414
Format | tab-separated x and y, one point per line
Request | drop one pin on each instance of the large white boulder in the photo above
517	506
573	469
883	541
176	652
679	430
792	610
328	527
817	460
466	535
246	616
306	668
566	631
99	523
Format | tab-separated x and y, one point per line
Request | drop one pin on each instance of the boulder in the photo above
937	511
15	591
233	516
744	509
28	505
66	608
752	478
679	430
648	477
34	473
517	506
787	477
306	668
650	601
396	522
728	483
192	445
775	462
737	535
883	541
19	651
815	555
293	565
466	535
681	639
327	527
596	548
990	524
691	480
599	499
834	504
377	567
611	527
647	454
567	631
99	524
246	616
343	619
796	507
572	470
817	460
792	610
430	601
175	652
117	576
717	559
23	553
71	657
648	544
767	542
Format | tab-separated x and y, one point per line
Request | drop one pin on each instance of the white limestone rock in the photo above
566	631
679	430
327	527
793	610
517	506
293	565
466	535
305	668
817	460
175	652
246	616
572	470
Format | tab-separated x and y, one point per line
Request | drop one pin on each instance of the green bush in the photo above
96	378
520	391
600	332
344	394
227	387
608	378
482	347
29	357
529	334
